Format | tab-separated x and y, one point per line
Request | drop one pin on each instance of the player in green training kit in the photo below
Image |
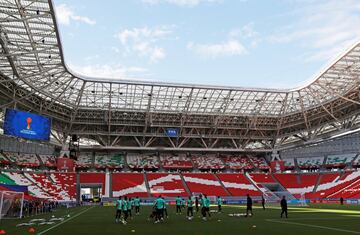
159	204
124	206
190	212
129	207
219	203
178	202
118	210
206	207
137	205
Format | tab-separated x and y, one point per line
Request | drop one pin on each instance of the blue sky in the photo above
248	43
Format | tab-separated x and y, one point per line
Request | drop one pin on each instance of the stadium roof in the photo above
34	76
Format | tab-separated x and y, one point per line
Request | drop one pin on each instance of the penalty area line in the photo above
313	226
57	225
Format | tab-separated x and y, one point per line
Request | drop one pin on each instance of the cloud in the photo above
143	41
107	71
228	48
64	15
182	3
324	28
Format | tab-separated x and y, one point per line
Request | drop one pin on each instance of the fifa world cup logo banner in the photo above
28	121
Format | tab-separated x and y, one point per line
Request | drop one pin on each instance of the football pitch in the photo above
95	220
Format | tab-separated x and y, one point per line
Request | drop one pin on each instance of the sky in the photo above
243	43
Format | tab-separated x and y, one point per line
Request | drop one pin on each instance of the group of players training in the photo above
125	205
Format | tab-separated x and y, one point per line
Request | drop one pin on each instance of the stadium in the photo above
71	145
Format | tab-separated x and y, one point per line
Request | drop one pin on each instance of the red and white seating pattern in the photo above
298	184
289	163
204	183
180	161
259	162
67	181
310	162
33	189
169	185
93	178
54	190
22	159
262	178
238	163
129	184
207	162
238	185
143	161
48	160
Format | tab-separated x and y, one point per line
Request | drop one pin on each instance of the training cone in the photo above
31	230
2	231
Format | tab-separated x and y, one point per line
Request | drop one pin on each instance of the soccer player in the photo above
248	205
197	204
341	201
219	202
283	204
129	207
118	210
165	209
159	203
124	204
263	202
190	212
137	205
178	202
206	207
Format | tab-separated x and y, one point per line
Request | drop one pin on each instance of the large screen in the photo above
26	125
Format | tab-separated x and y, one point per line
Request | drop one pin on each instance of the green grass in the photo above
313	220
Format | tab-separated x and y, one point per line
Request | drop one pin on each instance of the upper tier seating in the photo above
139	161
262	178
238	185
332	185
109	161
129	184
4	159
238	163
67	181
204	183
178	161
356	161
93	178
209	161
48	160
339	160
85	160
289	163
169	185
259	162
297	184
310	162
22	159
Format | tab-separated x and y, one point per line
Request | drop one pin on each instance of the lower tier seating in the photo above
129	184
262	178
298	184
67	181
169	185
238	185
204	183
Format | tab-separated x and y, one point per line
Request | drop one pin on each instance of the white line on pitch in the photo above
56	225
313	226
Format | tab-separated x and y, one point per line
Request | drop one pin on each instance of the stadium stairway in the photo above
221	183
262	189
147	184
185	185
317	182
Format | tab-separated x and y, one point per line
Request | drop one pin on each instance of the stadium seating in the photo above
356	161
169	185
48	160
114	161
21	159
298	184
310	162
238	185
262	178
259	162
3	159
67	181
209	161
84	161
93	178
238	163
129	184
140	161
172	161
204	183
289	163
340	160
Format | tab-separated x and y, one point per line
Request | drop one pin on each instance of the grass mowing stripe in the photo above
313	226
56	225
